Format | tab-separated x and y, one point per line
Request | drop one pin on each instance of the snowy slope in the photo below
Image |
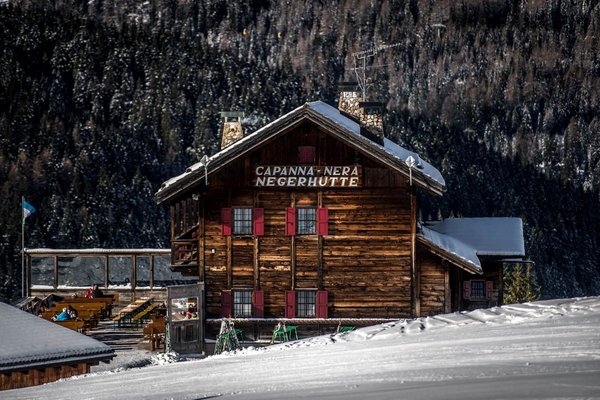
548	349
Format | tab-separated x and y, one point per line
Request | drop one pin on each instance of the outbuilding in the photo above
34	351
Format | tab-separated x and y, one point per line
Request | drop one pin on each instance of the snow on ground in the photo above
546	349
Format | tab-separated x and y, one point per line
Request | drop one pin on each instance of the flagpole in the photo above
22	247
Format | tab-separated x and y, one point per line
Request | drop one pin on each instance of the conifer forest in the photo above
103	100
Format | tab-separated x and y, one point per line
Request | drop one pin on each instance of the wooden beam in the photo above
293	247
447	294
229	251
55	260
229	264
152	263
133	273
320	247
413	250
256	250
201	241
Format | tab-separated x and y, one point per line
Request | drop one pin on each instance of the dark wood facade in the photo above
41	375
363	260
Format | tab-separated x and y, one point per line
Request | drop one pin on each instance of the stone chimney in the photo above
368	114
232	128
371	120
350	96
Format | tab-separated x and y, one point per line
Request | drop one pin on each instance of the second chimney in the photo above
232	128
368	114
371	120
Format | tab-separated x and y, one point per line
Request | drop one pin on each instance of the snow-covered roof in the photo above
470	238
452	246
343	127
28	341
492	236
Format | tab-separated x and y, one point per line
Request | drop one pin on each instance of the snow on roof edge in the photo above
452	246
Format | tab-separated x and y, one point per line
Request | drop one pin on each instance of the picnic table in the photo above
107	299
126	314
90	313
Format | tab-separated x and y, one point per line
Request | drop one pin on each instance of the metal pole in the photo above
22	247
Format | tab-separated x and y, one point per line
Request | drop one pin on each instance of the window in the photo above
306	221
306	303
242	221
242	304
306	154
477	289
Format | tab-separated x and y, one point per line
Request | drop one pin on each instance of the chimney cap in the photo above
350	86
231	114
371	107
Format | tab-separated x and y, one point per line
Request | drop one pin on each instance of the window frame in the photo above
478	289
304	307
241	303
247	222
303	223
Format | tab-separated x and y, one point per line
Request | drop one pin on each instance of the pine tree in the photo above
519	284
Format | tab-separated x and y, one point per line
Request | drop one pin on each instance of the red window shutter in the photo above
290	303
258	218
258	304
290	221
226	217
226	304
489	289
467	290
306	154
322	300
323	221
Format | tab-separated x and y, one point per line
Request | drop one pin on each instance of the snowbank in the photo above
547	349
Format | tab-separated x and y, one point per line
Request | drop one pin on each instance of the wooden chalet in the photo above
312	219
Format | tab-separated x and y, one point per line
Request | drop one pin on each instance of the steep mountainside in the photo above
101	101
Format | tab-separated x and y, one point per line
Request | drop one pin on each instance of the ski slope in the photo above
541	350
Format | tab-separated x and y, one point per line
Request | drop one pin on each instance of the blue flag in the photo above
28	209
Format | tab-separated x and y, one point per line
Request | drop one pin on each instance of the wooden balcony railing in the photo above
184	252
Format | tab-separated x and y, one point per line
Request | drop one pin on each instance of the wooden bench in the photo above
106	301
93	310
74	324
90	313
96	306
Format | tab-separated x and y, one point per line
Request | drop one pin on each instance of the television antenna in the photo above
360	64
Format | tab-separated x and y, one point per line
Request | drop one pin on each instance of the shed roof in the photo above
28	341
466	240
328	117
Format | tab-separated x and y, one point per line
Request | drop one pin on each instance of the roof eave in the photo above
262	137
289	121
443	253
88	359
381	155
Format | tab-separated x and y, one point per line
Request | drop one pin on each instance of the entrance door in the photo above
185	319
